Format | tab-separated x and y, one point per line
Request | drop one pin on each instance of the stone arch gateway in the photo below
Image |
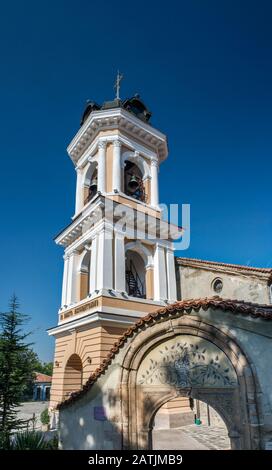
186	349
185	358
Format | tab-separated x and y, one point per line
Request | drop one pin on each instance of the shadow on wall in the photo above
100	420
92	422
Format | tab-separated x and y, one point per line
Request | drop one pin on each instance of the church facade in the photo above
126	298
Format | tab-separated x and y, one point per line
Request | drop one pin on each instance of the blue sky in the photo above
205	71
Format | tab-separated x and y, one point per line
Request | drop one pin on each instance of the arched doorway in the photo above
185	357
47	393
187	424
72	375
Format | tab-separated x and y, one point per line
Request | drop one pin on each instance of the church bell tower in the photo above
117	265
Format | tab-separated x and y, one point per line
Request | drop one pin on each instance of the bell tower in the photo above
118	256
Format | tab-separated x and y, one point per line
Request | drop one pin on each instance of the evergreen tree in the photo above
16	369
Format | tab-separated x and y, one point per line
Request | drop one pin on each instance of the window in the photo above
217	285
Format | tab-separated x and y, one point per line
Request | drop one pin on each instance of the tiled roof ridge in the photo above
235	306
41	377
228	265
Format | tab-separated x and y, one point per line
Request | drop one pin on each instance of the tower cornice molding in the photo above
119	119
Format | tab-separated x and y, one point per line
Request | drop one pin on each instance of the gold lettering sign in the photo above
87	306
82	308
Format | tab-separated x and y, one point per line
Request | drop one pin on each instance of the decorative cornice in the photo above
116	119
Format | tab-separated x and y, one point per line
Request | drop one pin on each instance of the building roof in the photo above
134	105
193	262
237	307
42	377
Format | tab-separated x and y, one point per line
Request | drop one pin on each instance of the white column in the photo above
104	261
171	275
119	263
154	183
93	266
64	281
72	278
116	170
160	281
79	192
101	179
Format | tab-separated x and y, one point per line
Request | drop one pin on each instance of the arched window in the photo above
135	275
133	182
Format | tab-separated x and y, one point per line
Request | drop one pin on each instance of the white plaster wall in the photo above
197	283
78	427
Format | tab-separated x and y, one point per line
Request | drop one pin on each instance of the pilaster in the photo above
117	170
101	179
160	281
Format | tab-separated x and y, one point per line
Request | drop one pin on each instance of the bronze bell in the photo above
133	184
93	185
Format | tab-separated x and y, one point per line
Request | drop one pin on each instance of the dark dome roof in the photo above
89	108
136	106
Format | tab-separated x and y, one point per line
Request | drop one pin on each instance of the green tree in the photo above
47	368
37	366
16	369
40	366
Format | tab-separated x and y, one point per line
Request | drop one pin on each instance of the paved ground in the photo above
191	437
29	408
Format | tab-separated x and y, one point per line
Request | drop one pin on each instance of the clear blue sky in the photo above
205	71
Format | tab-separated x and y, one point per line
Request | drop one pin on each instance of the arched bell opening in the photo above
90	185
135	275
133	182
84	273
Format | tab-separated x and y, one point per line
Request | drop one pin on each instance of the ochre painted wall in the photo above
93	343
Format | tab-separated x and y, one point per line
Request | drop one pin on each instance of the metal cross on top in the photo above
119	77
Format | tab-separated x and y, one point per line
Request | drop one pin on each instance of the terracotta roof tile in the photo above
42	377
185	306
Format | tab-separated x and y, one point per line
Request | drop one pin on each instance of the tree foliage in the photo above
16	369
37	366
